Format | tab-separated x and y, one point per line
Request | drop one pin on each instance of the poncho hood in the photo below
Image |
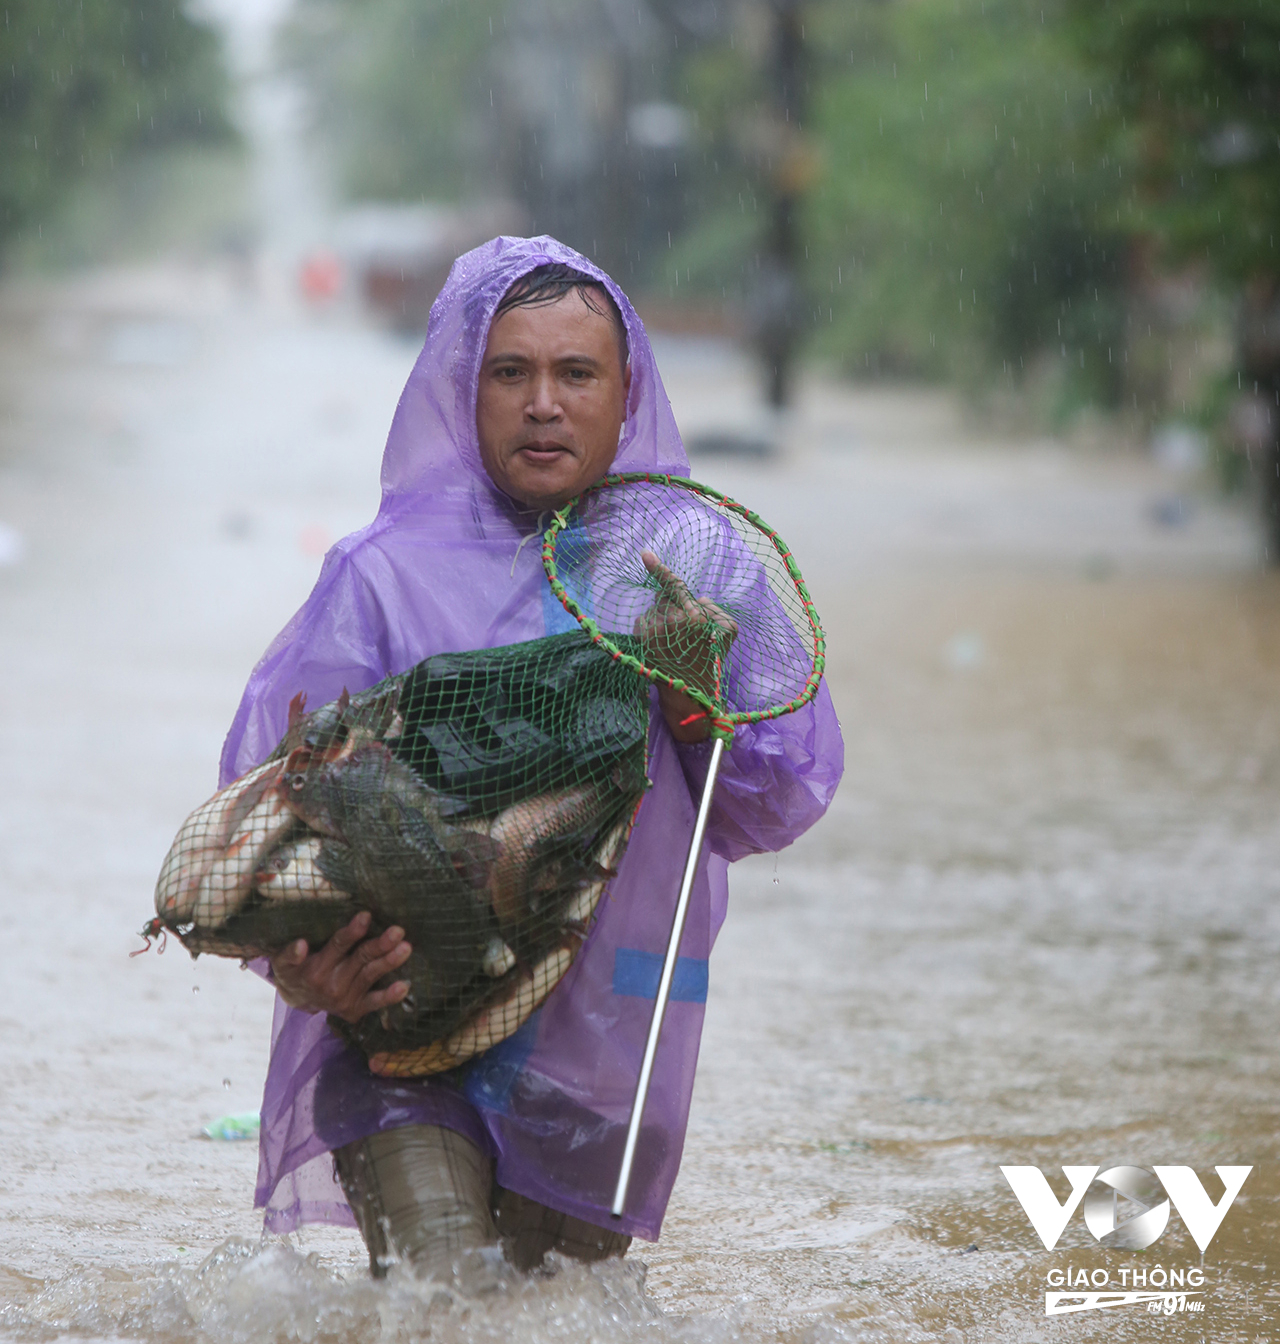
432	444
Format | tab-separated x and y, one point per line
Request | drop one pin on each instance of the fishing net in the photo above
483	800
691	590
480	801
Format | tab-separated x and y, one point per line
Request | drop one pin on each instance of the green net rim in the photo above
722	723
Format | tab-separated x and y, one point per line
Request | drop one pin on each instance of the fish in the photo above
300	890
229	879
510	1006
520	832
342	726
201	844
300	871
262	928
408	866
553	848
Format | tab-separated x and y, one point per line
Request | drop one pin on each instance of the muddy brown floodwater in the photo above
1038	927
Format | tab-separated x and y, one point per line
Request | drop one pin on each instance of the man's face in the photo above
551	400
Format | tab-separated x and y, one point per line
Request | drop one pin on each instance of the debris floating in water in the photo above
243	1125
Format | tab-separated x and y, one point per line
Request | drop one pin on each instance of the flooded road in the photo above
1038	927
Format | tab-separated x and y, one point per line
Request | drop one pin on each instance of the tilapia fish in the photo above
408	866
494	1012
242	878
338	728
210	868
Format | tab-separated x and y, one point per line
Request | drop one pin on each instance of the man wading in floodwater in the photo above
535	380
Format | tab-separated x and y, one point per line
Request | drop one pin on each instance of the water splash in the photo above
269	1293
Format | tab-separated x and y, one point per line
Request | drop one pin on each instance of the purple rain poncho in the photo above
442	569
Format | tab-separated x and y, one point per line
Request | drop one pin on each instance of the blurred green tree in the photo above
963	221
1191	95
1191	101
957	217
83	82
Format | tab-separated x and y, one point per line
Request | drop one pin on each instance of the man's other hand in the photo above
682	632
339	977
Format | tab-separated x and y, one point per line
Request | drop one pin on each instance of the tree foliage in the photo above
962	215
1191	93
85	81
963	218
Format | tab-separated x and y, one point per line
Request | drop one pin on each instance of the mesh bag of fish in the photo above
481	801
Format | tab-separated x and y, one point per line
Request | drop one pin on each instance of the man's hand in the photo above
680	633
338	979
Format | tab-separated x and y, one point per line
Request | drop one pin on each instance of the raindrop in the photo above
195	989
226	1082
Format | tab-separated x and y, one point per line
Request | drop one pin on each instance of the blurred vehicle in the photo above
320	276
398	255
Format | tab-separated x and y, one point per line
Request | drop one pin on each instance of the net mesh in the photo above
691	590
480	801
483	800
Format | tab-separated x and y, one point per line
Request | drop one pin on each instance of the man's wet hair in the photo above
550	282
